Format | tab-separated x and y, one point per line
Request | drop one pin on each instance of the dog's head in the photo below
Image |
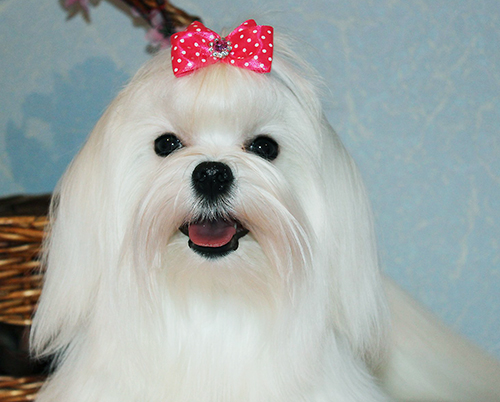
224	181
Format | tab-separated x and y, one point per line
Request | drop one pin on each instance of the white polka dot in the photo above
269	32
183	52
241	36
175	70
262	65
211	37
232	61
254	31
203	60
198	30
244	49
190	64
190	34
196	44
182	41
270	45
246	64
179	60
256	57
175	47
204	41
249	40
264	50
263	37
256	45
270	59
236	46
197	54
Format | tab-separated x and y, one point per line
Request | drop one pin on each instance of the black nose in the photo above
212	179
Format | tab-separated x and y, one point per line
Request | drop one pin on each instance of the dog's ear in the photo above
349	240
78	247
342	221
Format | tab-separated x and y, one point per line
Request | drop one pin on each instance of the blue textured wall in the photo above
414	91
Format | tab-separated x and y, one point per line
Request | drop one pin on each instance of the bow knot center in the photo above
220	47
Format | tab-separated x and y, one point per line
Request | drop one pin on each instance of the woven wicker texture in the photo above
20	280
22	223
13	389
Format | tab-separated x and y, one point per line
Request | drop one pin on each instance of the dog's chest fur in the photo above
214	352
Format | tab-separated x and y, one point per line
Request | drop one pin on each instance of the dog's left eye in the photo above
265	147
167	143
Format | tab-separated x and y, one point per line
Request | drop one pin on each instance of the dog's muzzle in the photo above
218	236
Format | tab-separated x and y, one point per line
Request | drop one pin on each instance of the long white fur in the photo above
297	313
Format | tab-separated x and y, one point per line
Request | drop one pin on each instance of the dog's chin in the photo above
214	238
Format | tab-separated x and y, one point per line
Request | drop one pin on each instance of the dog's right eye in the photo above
167	143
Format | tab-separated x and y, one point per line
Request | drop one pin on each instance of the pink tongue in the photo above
212	233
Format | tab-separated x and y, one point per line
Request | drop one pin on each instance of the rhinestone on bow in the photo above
220	48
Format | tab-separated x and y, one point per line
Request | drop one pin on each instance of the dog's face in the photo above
223	182
213	178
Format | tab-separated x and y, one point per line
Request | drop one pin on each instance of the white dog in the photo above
213	242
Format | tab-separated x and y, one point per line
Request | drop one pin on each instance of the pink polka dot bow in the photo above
249	46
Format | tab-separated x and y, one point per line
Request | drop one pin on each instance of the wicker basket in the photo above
19	389
22	223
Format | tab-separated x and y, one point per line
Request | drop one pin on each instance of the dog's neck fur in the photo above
234	349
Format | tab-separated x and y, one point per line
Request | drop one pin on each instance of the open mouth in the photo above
214	238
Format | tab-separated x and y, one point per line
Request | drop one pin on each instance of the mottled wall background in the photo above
413	89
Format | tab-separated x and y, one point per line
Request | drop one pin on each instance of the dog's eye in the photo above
167	143
265	147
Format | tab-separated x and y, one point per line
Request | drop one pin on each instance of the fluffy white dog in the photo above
213	242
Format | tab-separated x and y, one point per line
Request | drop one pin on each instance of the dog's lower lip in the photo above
220	251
